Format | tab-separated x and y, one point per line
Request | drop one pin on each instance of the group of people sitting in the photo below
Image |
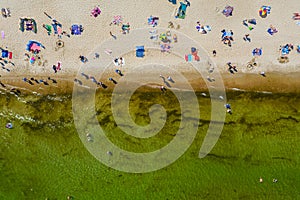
202	29
272	30
227	37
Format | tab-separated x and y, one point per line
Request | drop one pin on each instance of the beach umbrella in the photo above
264	11
96	12
117	19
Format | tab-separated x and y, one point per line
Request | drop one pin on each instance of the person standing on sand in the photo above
214	52
54	68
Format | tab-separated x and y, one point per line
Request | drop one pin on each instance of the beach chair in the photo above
140	51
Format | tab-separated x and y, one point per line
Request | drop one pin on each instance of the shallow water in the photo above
43	156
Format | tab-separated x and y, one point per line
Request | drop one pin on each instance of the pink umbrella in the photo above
117	20
96	11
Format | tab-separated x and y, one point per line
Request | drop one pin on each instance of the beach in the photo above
96	31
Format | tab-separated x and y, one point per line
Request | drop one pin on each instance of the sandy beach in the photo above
279	77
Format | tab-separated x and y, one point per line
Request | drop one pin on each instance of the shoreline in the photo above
274	82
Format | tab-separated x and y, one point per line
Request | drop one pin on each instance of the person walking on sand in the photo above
170	79
163	78
263	74
163	89
83	59
247	38
115	37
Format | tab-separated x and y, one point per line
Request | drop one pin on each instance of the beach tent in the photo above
140	51
264	11
76	29
228	11
28	24
34	46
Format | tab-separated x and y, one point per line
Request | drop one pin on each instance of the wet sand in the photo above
272	82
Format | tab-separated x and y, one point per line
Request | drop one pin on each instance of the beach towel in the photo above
181	11
140	51
32	60
188	57
183	6
196	57
48	28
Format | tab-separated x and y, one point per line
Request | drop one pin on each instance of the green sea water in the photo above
42	157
